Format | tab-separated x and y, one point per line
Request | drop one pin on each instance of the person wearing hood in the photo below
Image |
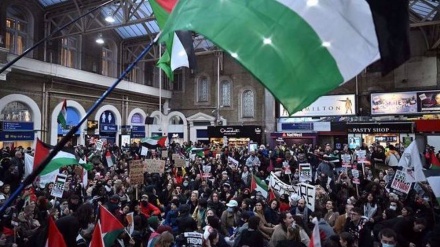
172	214
185	223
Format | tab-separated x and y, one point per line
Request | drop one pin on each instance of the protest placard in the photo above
136	172
175	156
164	154
400	183
155	166
58	187
305	172
346	160
355	174
179	162
361	156
308	192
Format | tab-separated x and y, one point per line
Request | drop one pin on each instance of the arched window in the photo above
202	89
109	60
225	88
70	52
16	111
248	104
175	120
17	30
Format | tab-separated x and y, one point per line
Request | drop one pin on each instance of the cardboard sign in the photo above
155	166
400	183
58	187
164	154
305	172
179	162
136	172
175	157
99	144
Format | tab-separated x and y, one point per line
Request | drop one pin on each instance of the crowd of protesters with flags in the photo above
147	194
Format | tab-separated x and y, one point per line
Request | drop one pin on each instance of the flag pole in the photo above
50	35
31	177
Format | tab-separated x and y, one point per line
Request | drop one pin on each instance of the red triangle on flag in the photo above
253	184
168	5
41	152
272	195
54	236
435	162
97	240
109	221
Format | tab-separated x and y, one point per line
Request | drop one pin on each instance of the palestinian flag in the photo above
258	185
299	50
435	163
179	45
433	178
97	240
111	227
62	116
315	240
154	142
54	236
63	158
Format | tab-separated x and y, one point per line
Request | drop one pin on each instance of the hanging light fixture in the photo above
100	40
109	18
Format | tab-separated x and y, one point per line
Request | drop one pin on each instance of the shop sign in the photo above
394	103
297	126
329	105
292	135
137	128
380	128
17	126
235	131
17	136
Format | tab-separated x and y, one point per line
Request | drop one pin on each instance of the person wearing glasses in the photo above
360	227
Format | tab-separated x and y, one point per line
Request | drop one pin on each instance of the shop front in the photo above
290	138
235	136
429	131
175	137
383	133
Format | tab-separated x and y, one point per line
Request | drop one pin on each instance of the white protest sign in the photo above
308	192
58	187
305	172
361	156
399	182
286	168
280	187
355	174
346	160
233	163
144	151
99	144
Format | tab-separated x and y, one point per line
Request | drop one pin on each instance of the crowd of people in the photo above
209	202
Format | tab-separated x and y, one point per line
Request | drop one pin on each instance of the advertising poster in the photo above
330	105
429	101
393	103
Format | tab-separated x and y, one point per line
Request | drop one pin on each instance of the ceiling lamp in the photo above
100	40
110	19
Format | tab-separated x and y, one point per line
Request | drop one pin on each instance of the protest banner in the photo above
58	187
280	187
136	172
399	182
155	166
308	192
305	172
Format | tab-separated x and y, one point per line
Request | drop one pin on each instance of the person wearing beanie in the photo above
172	214
153	222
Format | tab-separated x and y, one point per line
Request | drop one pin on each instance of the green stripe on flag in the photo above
281	46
